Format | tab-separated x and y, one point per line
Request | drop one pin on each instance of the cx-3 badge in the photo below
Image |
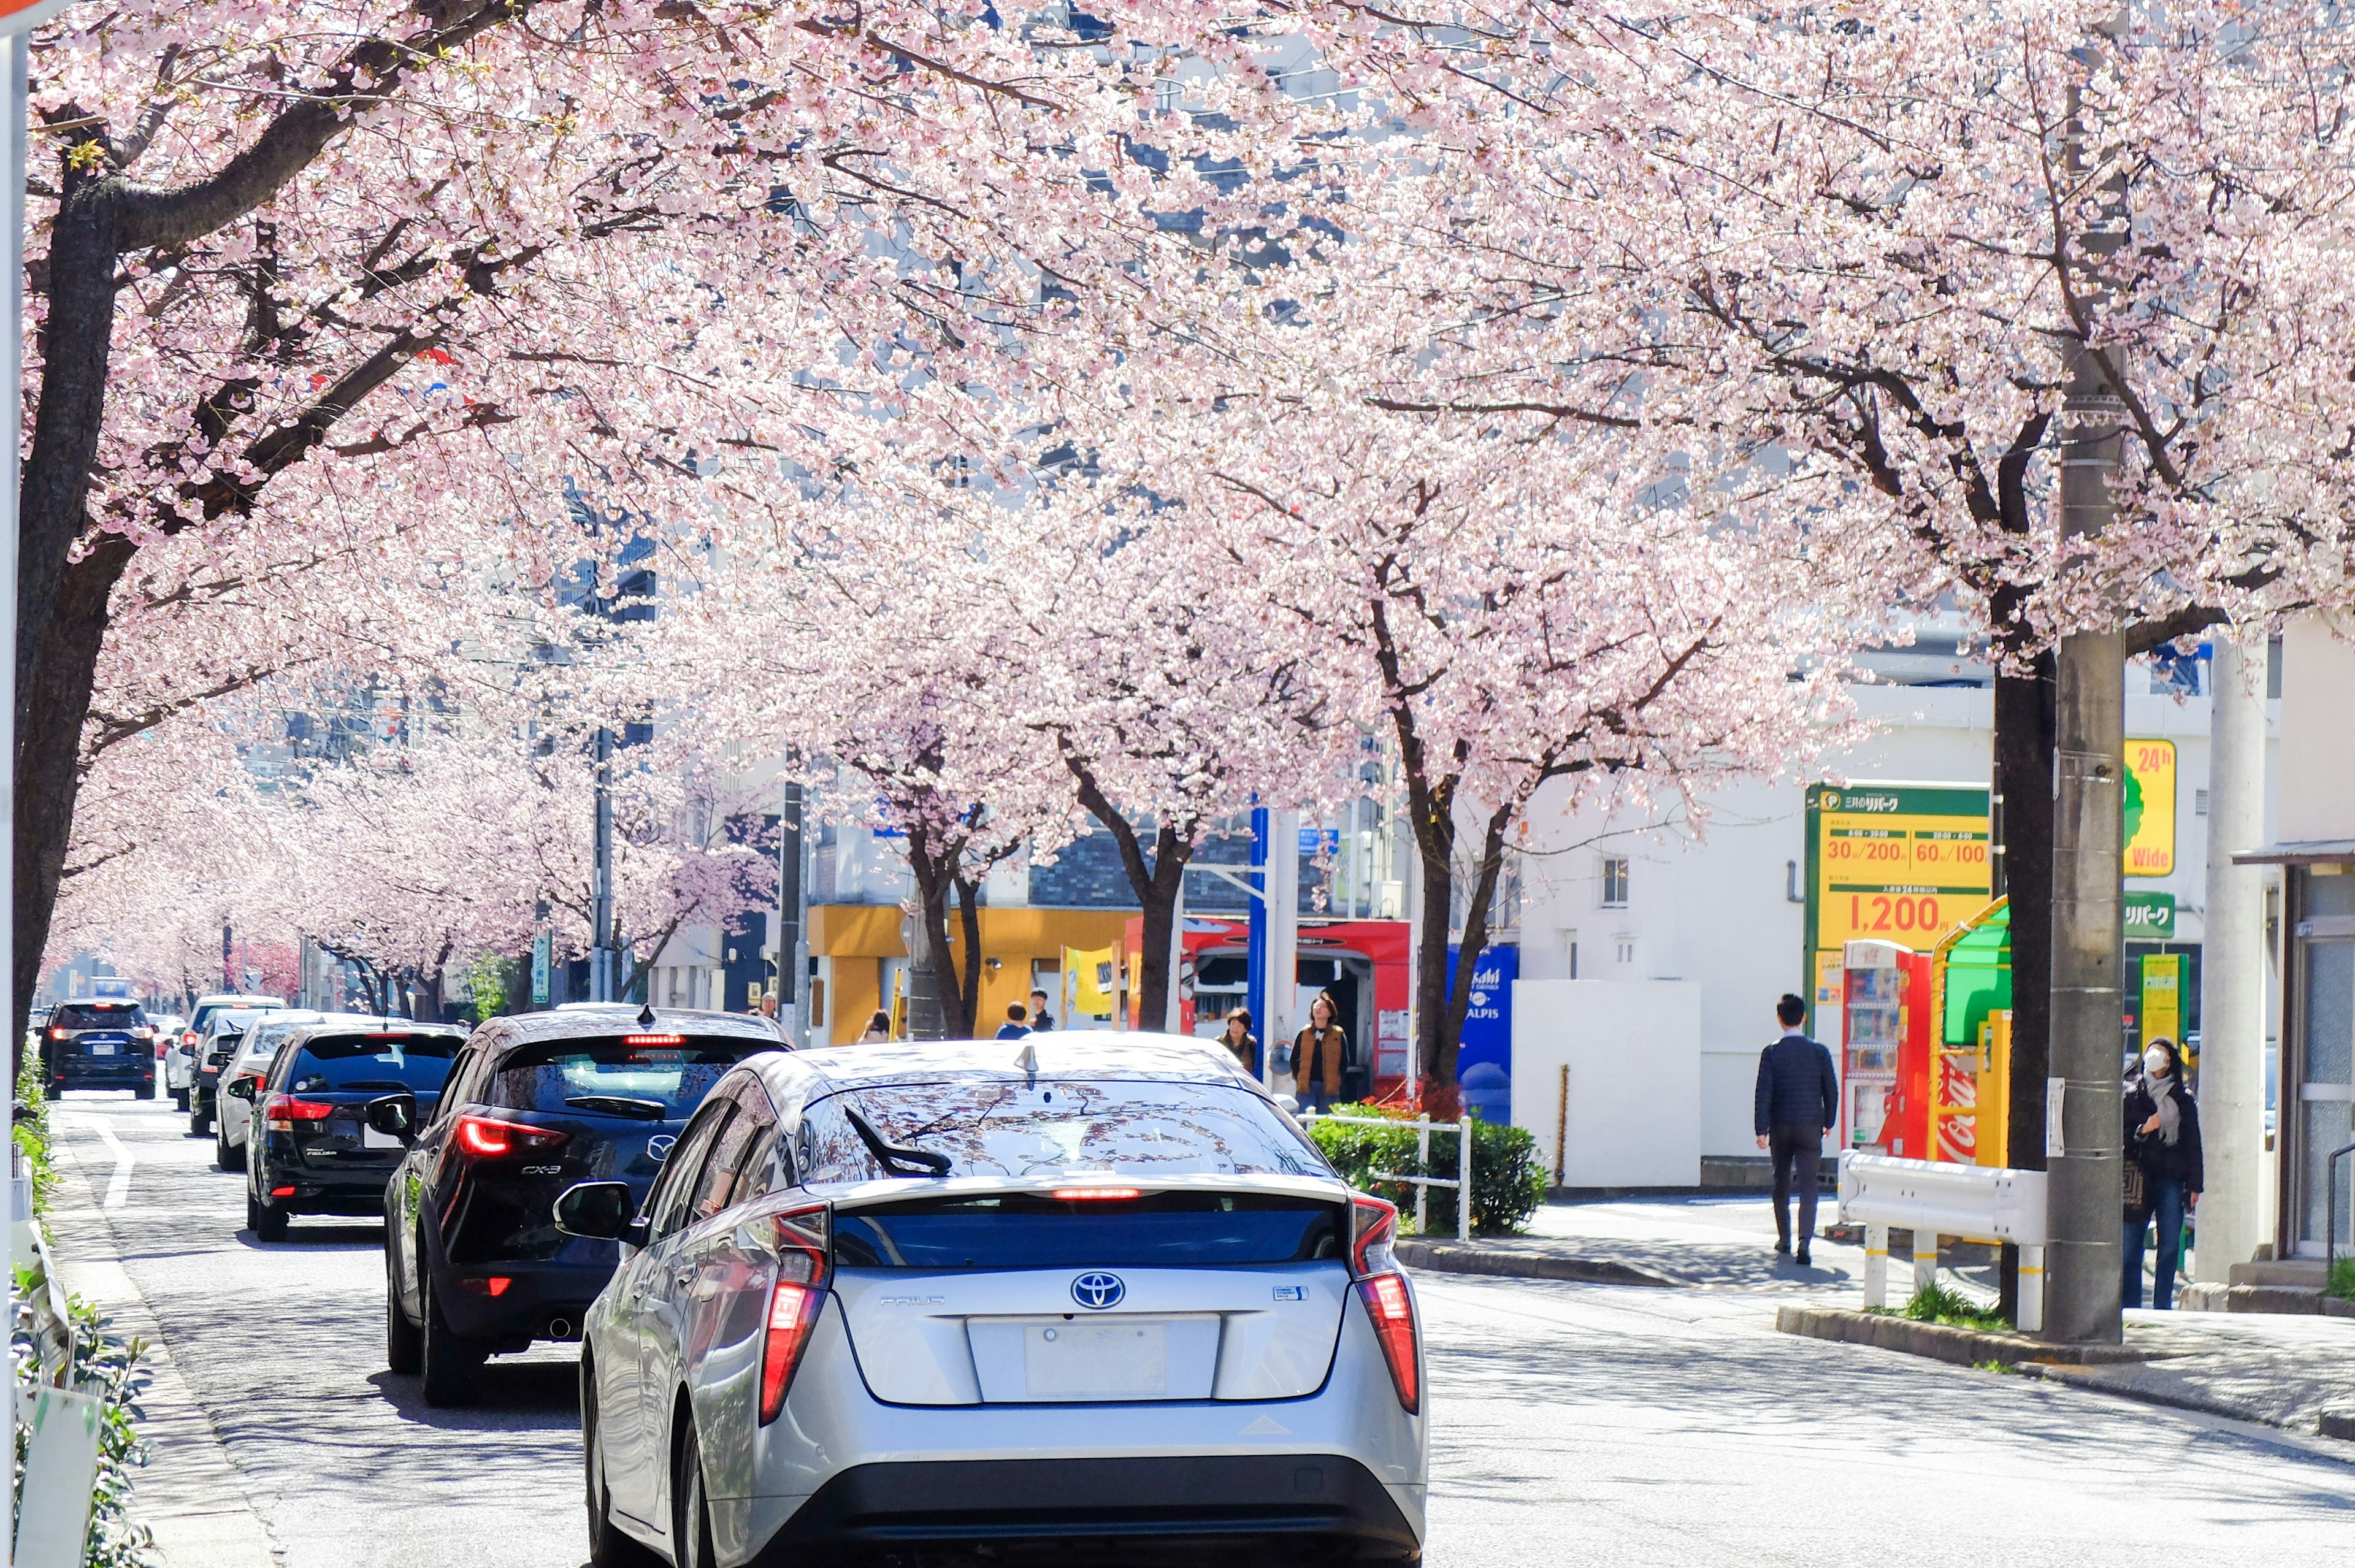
658	1147
1098	1291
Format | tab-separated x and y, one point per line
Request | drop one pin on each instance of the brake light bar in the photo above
488	1137
1084	1194
1373	1226
1391	1308
654	1039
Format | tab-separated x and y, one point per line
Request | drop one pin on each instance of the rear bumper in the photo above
129	1075
1308	1507
541	1301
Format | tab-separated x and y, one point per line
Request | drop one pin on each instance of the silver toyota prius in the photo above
1080	1297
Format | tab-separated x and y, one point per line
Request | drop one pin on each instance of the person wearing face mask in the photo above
2163	1170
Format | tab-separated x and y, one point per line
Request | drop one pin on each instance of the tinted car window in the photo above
613	1077
1013	1129
358	1063
723	1177
667	1205
85	1015
1033	1229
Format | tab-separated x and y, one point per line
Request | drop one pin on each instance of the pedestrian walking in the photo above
1040	1019
879	1031
2163	1172
1317	1051
1016	1022
1796	1106
1239	1039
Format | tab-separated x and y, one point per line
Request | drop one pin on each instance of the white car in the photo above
233	1115
181	1069
1087	1297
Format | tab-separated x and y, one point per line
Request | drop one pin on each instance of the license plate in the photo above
104	1048
372	1138
1096	1360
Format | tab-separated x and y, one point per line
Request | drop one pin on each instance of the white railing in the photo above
1423	1127
1934	1199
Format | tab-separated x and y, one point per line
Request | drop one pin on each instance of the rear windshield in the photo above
1189	1230
358	1063
1059	1128
613	1077
97	1015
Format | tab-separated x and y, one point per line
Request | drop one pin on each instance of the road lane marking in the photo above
118	1190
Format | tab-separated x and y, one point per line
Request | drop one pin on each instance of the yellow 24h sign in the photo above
2149	826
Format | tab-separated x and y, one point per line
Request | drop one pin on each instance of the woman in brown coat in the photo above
1317	1055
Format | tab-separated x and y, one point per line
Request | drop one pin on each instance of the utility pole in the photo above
793	905
2084	1179
2232	964
601	976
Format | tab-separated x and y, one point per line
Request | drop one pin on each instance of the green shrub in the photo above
1935	1304
1507	1185
33	1134
2341	1282
114	1369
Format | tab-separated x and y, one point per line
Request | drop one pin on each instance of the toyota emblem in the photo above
1097	1291
658	1147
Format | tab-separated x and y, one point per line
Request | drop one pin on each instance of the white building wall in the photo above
1720	904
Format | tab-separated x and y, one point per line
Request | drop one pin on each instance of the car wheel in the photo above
690	1509
179	1099
199	1123
404	1342
226	1156
145	1091
448	1362
264	1218
609	1547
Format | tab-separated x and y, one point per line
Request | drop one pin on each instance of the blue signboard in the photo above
1320	840
1484	1061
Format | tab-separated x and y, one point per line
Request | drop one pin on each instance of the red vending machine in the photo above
1885	1049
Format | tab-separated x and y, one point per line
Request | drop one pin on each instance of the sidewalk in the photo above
2283	1372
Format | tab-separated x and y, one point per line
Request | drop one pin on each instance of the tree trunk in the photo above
936	982
963	1019
1433	819
1154	885
2025	731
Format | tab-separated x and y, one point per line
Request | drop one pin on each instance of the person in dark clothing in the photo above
1796	1105
1016	1022
2163	1147
1040	1019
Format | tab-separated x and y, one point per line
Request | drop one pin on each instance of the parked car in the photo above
234	1113
180	1061
1097	1298
167	1027
220	1041
314	1152
475	1266
99	1042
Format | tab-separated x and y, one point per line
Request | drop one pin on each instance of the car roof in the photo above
368	1023
232	999
1059	1054
587	1020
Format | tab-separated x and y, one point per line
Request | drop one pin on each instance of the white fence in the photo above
1934	1199
1423	1127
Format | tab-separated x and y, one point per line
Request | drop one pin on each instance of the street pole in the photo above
1173	1016
1255	986
2233	966
601	897
2084	1140
790	905
1283	884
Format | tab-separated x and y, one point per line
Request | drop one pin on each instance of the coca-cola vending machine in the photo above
1885	1021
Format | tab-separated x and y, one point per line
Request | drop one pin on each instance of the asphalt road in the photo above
1575	1423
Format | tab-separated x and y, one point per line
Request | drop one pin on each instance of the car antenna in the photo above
646	1016
1029	1062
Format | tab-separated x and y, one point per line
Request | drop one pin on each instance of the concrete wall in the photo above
1633	1048
2318	699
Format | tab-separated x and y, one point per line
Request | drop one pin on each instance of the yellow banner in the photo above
1096	979
2151	808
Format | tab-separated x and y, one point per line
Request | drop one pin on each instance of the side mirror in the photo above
603	1211
395	1115
240	1089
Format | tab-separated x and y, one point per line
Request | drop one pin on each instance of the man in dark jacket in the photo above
1797	1105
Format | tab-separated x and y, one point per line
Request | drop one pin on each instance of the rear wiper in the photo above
893	1157
621	1105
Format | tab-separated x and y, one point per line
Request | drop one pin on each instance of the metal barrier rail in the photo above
1934	1197
1423	1127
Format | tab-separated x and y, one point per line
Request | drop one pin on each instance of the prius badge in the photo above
1098	1291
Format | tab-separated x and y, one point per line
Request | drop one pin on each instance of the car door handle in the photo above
681	1273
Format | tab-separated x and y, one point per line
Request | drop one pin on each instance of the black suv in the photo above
99	1043
309	1147
475	1266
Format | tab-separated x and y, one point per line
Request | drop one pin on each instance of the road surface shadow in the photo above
504	1391
318	1238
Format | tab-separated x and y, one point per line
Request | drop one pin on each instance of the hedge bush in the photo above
1507	1184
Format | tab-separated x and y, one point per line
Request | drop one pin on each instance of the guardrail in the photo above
1423	1127
1934	1199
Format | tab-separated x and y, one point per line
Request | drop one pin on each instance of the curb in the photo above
1942	1342
1438	1259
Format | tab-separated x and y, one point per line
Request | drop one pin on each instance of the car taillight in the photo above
56	1034
487	1137
1373	1226
142	1034
283	1111
1391	1307
795	1298
1094	1194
